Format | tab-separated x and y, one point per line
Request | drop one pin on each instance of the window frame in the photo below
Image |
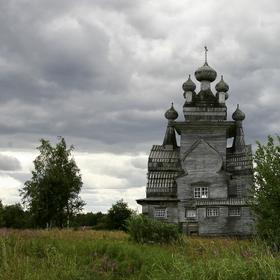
160	210
231	214
200	192
212	212
193	211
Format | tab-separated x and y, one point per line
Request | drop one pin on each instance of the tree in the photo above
52	194
266	201
87	219
118	214
1	214
14	216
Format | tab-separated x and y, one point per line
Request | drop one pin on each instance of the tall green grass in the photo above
110	255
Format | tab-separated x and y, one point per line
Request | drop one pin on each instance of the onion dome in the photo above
205	73
189	85
171	114
222	86
238	115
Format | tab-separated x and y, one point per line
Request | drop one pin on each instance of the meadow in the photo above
69	254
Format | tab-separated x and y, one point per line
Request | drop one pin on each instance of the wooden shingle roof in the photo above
163	169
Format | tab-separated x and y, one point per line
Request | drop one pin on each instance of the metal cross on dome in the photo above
206	50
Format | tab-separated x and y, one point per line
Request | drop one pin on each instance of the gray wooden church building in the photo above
202	184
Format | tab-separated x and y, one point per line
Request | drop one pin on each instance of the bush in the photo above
88	219
145	230
266	202
15	217
117	215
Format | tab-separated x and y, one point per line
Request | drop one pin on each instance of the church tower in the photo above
202	184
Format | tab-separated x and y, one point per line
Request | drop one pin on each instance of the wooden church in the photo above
202	184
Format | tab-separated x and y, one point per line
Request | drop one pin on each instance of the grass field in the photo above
67	254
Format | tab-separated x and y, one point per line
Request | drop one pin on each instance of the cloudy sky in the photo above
101	73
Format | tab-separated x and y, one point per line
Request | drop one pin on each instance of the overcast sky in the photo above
101	73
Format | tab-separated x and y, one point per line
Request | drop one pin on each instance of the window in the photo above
190	213
201	192
234	212
232	191
235	190
212	212
160	213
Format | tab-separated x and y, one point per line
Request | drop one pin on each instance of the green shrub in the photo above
265	200
145	230
117	216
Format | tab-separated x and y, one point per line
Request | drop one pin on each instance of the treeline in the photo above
119	217
52	199
14	216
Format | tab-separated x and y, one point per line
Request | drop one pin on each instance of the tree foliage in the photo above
267	191
15	217
1	214
146	230
88	219
52	194
118	214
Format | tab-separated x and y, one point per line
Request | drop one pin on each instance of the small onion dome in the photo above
171	114
238	115
222	86
189	85
205	73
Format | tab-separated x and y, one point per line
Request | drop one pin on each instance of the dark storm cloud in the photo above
102	73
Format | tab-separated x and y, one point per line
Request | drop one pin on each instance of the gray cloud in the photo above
105	73
140	162
9	163
102	73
